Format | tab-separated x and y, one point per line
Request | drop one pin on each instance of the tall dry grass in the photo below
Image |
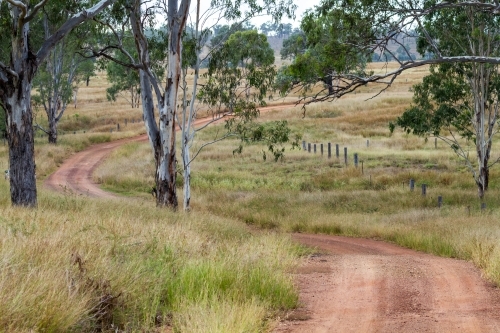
81	265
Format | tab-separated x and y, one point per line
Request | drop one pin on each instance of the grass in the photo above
82	265
79	265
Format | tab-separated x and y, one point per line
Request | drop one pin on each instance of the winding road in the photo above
352	285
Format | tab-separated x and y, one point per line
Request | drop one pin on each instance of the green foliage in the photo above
238	78
294	45
441	101
328	46
221	33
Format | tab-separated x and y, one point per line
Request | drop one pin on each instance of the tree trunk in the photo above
187	173
52	129
483	130
23	190
16	100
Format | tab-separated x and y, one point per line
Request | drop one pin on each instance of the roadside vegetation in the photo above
78	265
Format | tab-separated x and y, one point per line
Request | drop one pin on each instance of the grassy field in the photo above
80	265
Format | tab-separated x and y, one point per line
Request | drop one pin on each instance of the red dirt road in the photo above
362	285
75	174
353	285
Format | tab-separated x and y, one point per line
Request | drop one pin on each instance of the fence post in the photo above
309	147
435	143
367	143
118	127
329	150
424	189
356	160
321	149
362	168
315	148
345	155
304	145
412	184
337	152
440	201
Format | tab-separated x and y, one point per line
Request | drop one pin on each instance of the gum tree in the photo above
58	75
459	102
18	66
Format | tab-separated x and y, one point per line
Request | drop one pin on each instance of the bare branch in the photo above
7	70
35	11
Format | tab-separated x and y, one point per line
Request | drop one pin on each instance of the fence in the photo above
356	161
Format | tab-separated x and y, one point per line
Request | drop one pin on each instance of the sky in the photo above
302	6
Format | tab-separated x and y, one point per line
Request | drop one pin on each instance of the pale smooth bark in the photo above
15	92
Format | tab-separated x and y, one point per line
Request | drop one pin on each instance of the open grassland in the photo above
80	265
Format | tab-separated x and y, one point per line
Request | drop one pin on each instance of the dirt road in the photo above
354	285
75	174
361	285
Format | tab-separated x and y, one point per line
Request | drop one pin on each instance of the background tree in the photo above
460	101
21	58
58	76
328	34
243	40
239	77
124	82
294	45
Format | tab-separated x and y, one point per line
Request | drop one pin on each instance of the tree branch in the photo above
71	23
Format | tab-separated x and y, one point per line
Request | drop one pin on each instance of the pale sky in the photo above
302	6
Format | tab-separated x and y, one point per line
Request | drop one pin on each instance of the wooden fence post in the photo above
337	152
304	145
309	147
345	155
424	190
329	150
315	148
440	201
412	184
321	149
356	160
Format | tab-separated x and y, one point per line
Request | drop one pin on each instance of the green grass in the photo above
79	265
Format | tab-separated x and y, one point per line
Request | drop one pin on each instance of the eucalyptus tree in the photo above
124	82
324	48
240	55
20	61
460	101
61	71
